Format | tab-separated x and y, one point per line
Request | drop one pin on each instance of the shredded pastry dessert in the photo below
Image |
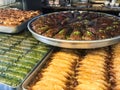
94	69
55	76
116	66
14	17
91	73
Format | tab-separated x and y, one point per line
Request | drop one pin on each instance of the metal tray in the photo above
13	29
11	59
83	44
35	72
19	87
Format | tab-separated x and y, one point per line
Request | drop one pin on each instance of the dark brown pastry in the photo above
79	26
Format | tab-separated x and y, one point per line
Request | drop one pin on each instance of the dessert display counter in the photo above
27	64
47	54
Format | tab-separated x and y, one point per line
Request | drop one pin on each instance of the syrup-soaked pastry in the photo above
41	30
95	25
90	16
94	51
62	33
91	73
116	66
64	18
13	17
41	22
51	32
88	35
76	32
75	35
56	74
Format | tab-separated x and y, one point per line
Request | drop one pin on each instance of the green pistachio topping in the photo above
44	28
89	33
76	33
79	17
108	28
62	31
100	30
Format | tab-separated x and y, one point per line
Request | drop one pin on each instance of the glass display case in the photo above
25	54
47	6
11	4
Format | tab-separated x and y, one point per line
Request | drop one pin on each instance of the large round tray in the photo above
82	44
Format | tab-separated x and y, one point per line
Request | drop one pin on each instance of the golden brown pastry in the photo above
98	69
91	73
13	17
116	66
55	76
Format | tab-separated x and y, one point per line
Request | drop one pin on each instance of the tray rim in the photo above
39	37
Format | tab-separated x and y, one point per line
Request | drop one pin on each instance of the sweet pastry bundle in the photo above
91	73
56	75
116	67
15	17
94	69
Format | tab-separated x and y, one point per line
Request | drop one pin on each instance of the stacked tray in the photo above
19	56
